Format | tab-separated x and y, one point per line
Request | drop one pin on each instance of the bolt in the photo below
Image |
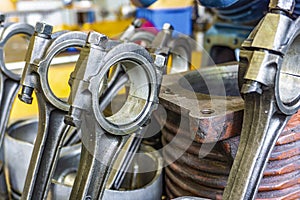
73	117
2	18
286	5
160	61
26	94
251	87
43	28
137	23
168	26
202	135
96	38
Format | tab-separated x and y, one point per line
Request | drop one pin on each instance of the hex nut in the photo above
96	38
137	23
160	61
287	5
167	26
43	28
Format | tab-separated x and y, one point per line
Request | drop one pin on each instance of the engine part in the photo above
180	53
222	42
194	118
102	137
51	132
9	81
233	25
187	135
180	47
189	198
281	174
149	184
18	147
269	80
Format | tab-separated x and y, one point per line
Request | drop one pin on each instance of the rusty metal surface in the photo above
194	175
192	100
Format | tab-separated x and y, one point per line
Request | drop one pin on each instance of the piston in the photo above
18	147
143	181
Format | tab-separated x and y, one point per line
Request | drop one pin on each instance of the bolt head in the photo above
43	28
137	23
167	26
96	38
25	98
160	61
2	18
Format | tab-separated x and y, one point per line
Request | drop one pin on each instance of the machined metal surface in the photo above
287	5
18	146
51	132
104	136
269	81
9	81
136	186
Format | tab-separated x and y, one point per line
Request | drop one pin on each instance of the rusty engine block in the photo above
200	142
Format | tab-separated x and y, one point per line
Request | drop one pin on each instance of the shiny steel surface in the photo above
103	137
51	132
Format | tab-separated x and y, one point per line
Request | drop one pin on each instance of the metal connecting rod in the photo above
269	79
51	131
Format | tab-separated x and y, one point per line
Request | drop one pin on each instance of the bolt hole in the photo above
207	111
235	41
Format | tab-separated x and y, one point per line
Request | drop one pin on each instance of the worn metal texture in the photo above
199	95
192	174
269	81
195	118
51	129
104	136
